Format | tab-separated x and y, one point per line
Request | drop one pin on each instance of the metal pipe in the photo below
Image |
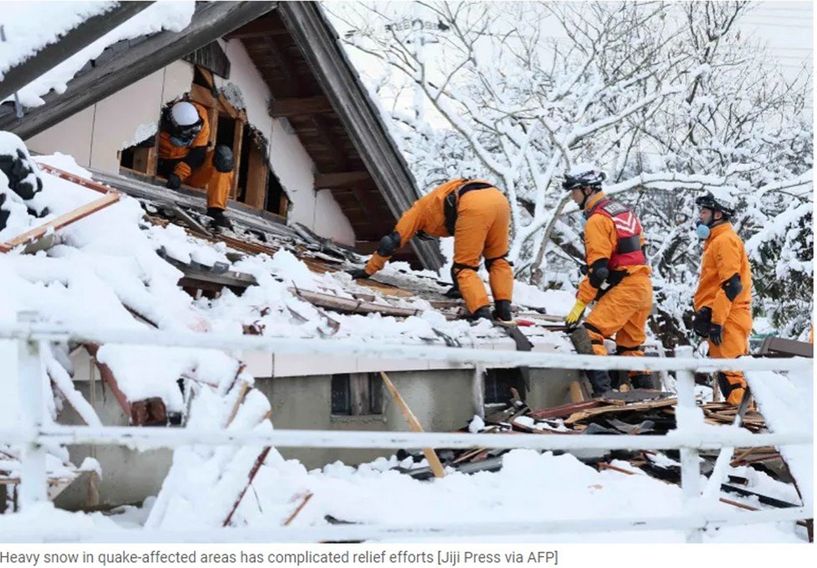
356	348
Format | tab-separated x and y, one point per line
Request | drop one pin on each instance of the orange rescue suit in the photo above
622	310
725	256
205	176
482	230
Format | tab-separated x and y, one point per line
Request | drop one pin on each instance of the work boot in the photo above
732	392
481	313
219	219
453	293
644	381
581	341
503	311
600	381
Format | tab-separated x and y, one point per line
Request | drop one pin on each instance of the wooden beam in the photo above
69	44
128	61
414	425
257	176
212	58
61	221
340	179
273	49
238	141
266	26
283	108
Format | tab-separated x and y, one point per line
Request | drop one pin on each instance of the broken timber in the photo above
148	412
60	222
414	424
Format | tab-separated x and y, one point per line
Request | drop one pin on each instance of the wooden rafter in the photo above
283	108
341	179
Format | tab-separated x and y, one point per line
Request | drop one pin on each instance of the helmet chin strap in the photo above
586	197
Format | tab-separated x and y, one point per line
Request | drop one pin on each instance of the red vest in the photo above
628	231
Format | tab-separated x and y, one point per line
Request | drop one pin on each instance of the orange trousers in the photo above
735	343
218	184
622	312
482	230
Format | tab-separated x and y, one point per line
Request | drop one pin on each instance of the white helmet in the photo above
184	113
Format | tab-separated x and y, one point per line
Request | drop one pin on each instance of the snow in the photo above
786	403
107	264
23	39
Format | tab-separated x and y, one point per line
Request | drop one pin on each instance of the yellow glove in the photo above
576	313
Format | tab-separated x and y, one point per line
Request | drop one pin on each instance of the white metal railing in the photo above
689	437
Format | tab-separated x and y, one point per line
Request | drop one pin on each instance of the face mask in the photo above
702	230
181	141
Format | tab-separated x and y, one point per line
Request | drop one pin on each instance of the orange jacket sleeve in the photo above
409	224
599	242
727	256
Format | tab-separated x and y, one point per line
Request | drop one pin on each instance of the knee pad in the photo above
223	159
732	287
389	244
621	350
490	261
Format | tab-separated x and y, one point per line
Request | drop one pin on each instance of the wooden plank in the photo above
265	26
62	221
414	424
257	176
283	205
304	500
563	410
584	414
73	178
353	306
143	158
340	179
130	60
203	96
212	58
284	108
107	377
283	63
259	461
238	140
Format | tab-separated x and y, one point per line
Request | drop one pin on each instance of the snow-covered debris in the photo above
23	39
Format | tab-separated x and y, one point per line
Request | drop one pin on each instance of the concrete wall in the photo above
95	136
443	400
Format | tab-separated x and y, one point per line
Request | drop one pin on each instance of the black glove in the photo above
173	182
716	334
701	321
357	273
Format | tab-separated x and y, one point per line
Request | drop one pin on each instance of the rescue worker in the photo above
617	276
723	299
184	156
477	215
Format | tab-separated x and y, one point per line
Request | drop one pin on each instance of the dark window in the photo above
375	394
498	383
357	394
341	394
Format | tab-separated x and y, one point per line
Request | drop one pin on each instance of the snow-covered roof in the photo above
22	40
116	264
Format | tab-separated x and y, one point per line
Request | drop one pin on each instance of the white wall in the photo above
287	157
95	136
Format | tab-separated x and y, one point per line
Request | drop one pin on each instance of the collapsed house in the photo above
319	182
